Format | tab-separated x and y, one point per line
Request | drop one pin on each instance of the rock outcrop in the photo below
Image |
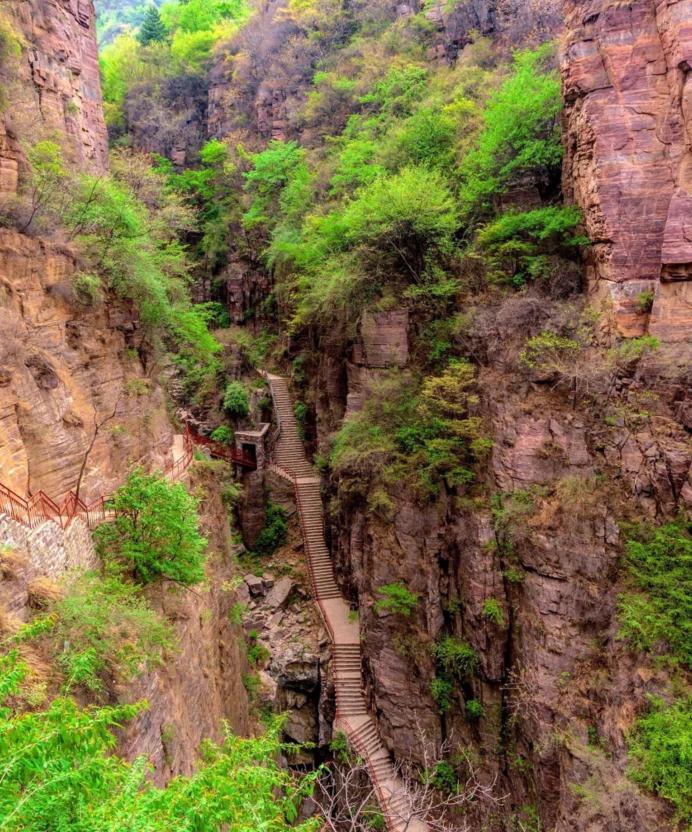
69	371
53	85
626	71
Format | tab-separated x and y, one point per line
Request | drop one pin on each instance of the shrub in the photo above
222	434
235	399
105	628
272	171
397	599
60	772
443	777
474	710
155	533
87	288
425	433
521	132
492	610
397	226
275	531
456	657
659	615
441	691
517	246
659	752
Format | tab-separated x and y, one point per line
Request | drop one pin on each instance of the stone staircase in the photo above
352	715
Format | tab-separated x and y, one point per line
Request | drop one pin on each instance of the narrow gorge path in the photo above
352	714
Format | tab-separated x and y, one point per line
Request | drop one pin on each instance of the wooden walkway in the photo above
352	715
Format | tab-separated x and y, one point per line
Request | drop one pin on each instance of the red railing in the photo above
222	451
37	508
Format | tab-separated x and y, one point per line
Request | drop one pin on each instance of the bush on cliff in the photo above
520	133
660	749
60	772
105	630
420	432
155	533
657	615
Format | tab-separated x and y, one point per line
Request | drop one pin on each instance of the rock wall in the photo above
66	368
54	85
628	126
51	549
201	682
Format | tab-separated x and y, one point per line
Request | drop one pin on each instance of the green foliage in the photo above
273	171
397	226
441	691
547	349
455	657
152	28
257	653
424	431
660	751
235	399
176	39
222	434
155	533
492	610
212	190
60	772
520	132
397	599
275	531
444	777
645	301
105	629
11	41
340	748
518	244
87	288
474	710
658	616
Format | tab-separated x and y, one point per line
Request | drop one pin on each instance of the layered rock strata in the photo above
53	84
628	120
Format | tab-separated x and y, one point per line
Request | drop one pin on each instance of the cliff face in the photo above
628	133
67	370
54	85
552	674
80	396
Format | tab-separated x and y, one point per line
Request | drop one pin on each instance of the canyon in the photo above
578	451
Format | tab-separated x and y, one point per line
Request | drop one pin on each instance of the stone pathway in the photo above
352	715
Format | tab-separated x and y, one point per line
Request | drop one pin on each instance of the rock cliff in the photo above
627	92
53	85
70	375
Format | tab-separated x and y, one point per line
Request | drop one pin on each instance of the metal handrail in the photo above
391	822
39	508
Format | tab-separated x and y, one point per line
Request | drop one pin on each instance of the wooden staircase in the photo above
352	715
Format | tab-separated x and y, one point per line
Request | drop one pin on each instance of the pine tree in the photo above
152	29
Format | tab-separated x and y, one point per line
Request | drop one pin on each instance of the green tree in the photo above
235	399
659	614
520	133
397	599
153	28
155	532
58	771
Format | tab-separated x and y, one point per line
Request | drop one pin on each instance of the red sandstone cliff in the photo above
628	138
54	86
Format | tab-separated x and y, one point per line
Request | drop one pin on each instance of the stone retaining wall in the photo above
52	550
